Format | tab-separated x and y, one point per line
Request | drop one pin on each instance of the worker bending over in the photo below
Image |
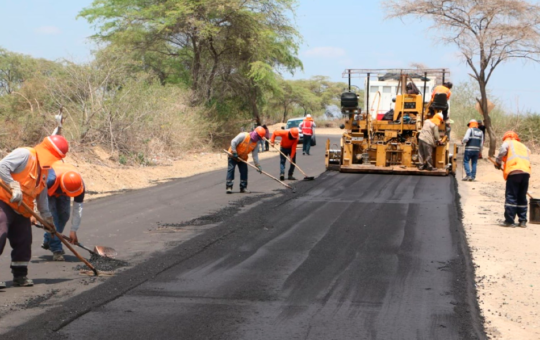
428	139
289	141
473	140
25	171
241	146
307	127
516	172
63	183
444	88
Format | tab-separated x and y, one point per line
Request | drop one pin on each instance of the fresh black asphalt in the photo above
349	256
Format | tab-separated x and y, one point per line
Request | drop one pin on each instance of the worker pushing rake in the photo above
287	149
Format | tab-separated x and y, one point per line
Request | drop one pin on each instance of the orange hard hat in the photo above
52	149
261	131
511	135
71	183
294	132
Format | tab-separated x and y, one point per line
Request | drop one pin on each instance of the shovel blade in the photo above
105	251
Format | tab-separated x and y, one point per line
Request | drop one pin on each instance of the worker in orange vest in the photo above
289	141
63	183
307	128
25	171
444	88
516	172
241	146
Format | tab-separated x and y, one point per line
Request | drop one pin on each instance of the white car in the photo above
295	122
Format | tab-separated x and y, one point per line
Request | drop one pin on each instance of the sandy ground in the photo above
506	259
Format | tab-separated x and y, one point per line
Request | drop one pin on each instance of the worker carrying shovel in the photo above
241	146
289	141
63	183
516	172
25	171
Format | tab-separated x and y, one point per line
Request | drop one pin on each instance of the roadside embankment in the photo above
506	259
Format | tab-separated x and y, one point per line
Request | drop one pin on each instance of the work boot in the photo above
507	224
229	190
291	178
522	224
58	256
244	191
466	179
45	246
429	168
2	285
22	281
281	177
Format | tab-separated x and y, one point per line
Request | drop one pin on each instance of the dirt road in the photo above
347	257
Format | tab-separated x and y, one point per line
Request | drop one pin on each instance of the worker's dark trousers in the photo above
516	197
17	229
283	161
306	144
242	167
60	209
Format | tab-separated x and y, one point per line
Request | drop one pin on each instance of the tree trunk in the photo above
487	119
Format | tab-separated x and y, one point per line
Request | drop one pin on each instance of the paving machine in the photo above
375	144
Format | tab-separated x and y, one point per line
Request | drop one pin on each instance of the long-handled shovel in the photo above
306	177
98	250
50	228
262	172
495	163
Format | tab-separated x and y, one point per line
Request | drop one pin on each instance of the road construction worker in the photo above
289	141
308	129
516	172
63	183
240	148
25	171
428	139
473	140
444	88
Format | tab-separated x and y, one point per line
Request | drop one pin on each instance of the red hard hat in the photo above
60	144
261	131
71	183
511	135
294	132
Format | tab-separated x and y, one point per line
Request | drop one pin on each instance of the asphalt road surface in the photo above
349	256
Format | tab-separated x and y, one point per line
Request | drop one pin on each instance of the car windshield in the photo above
293	123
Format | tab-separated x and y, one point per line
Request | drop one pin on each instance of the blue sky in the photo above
337	35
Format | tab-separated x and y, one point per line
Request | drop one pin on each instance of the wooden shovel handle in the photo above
290	160
51	229
264	173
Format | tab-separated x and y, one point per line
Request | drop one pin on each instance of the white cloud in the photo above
47	30
325	52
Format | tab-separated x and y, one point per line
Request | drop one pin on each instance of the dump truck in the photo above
390	144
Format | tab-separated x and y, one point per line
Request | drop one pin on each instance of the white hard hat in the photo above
308	116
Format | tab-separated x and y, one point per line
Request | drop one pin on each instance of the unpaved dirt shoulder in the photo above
506	260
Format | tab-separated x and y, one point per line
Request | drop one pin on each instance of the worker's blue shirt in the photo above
52	179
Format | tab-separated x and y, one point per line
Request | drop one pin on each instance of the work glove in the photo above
259	168
16	193
273	145
235	155
497	166
58	119
50	221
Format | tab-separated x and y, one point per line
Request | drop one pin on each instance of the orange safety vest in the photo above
243	149
59	169
441	89
31	184
307	127
517	158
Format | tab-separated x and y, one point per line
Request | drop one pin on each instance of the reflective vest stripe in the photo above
19	264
